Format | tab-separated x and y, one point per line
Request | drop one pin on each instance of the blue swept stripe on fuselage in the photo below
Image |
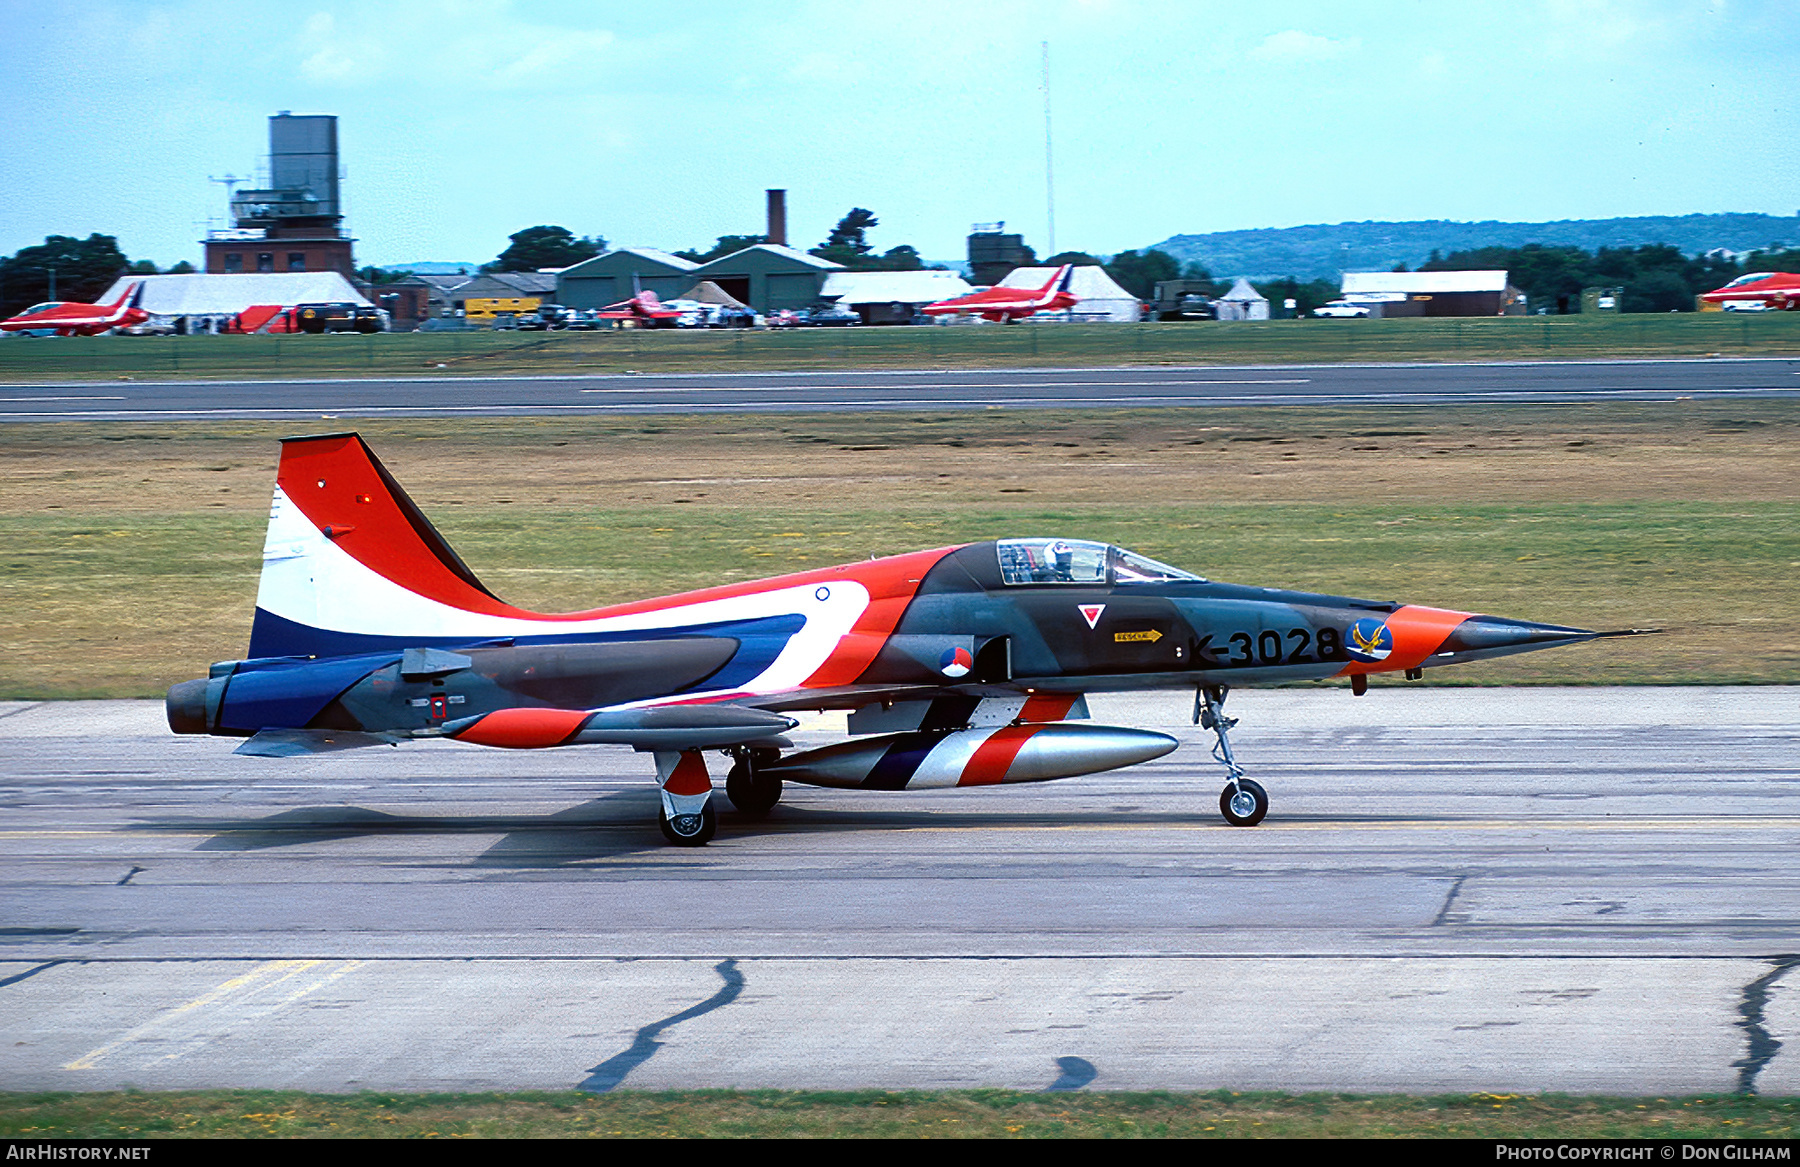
299	669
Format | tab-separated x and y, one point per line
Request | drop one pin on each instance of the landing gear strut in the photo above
686	815
751	789
1242	802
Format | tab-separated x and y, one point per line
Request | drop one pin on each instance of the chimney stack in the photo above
777	231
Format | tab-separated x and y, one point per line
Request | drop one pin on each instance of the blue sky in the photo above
661	124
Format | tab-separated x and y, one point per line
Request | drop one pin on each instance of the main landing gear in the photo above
686	816
751	789
1242	802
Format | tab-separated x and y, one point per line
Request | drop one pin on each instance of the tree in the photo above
1306	296
848	242
84	269
905	257
727	245
143	267
182	268
1078	258
1139	274
537	247
379	275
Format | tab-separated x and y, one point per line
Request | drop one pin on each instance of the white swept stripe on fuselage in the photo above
309	580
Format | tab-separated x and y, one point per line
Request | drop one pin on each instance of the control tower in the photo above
296	224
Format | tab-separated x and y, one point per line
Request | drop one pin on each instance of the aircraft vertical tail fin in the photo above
350	560
133	292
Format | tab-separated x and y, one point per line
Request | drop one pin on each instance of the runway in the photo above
1200	386
1507	890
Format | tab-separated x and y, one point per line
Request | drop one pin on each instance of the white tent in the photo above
1097	297
226	295
1243	302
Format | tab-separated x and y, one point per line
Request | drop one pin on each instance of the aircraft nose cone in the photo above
1490	632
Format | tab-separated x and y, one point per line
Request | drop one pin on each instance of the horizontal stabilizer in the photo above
292	743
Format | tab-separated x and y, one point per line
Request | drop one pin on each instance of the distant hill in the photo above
433	268
1325	251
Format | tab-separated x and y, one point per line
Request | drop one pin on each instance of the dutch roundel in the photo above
956	662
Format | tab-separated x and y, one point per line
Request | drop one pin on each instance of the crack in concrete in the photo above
1763	1045
31	972
610	1073
1443	915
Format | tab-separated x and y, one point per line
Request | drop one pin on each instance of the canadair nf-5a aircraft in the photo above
960	666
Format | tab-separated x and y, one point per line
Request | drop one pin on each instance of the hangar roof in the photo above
1415	282
777	251
620	260
893	287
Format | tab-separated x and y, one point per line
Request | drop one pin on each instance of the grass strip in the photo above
884	1114
484	353
129	554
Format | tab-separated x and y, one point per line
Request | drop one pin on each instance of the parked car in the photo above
1341	310
834	316
337	317
546	318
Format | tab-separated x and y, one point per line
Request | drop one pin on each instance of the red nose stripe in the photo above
524	729
1418	632
994	757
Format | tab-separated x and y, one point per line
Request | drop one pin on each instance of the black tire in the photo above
1235	815
708	827
753	791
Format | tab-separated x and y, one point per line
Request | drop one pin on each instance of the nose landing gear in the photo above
1242	802
686	815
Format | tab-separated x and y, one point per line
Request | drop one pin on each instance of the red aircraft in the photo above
643	307
70	319
1007	305
1778	290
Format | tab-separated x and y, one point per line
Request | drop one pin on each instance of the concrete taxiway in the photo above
472	395
1456	889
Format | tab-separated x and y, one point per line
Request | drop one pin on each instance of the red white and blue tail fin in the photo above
350	561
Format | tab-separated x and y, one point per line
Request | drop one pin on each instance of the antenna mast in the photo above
1049	169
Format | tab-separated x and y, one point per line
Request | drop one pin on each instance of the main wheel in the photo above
1245	805
689	830
750	788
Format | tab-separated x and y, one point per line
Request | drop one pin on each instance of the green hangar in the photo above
609	278
769	276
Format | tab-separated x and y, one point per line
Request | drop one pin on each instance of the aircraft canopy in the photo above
1079	561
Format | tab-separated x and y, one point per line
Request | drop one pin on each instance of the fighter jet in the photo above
1009	305
1771	289
67	318
959	666
643	309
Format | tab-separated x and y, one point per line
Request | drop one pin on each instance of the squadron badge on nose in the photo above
1369	641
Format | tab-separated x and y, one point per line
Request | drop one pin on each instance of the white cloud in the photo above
1296	47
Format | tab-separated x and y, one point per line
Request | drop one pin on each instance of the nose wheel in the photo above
691	829
1242	802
